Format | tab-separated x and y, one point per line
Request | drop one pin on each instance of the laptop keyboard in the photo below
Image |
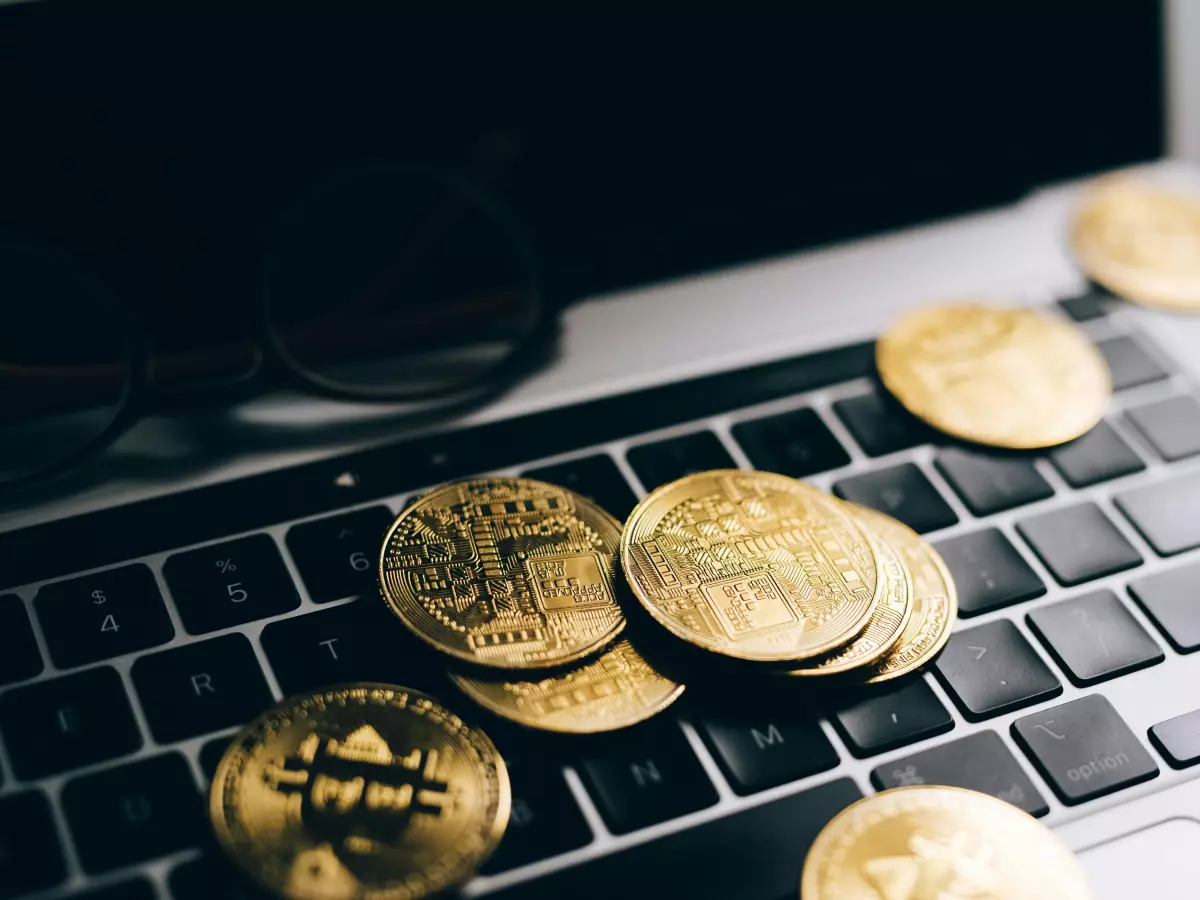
135	641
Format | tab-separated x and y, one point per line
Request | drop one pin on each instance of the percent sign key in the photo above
229	584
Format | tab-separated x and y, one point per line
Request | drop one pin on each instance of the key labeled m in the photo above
762	741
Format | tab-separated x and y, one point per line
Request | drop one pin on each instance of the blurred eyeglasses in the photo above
391	283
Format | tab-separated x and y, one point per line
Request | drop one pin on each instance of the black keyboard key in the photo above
52	726
211	753
1172	426
794	443
595	477
892	717
229	584
19	655
758	752
1078	543
903	493
992	483
1099	455
1169	599
1165	513
351	642
755	854
992	669
1085	307
1178	739
1094	637
1129	363
338	557
880	425
103	615
664	461
988	572
30	854
1084	749
138	889
648	778
212	878
544	821
133	813
978	762
201	687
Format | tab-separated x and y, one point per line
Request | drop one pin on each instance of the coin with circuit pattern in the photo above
937	843
505	572
1015	378
752	565
1140	241
891	615
614	690
934	606
359	790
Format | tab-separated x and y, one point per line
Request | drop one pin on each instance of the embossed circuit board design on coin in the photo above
616	689
512	573
751	564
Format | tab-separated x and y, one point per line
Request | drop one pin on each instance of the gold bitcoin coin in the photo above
935	600
891	615
505	572
1141	243
938	843
615	690
1003	377
359	791
751	565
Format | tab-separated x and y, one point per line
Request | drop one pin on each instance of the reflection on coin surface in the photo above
1002	377
935	599
890	617
616	689
752	565
359	791
1141	243
505	572
939	843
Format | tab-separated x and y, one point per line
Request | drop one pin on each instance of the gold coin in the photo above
891	615
615	690
752	565
935	600
505	572
937	843
359	791
1002	377
1140	243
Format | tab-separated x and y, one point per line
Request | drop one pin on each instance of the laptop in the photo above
709	221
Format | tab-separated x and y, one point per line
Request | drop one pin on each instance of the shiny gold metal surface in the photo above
1140	242
1002	377
935	599
751	565
359	791
615	690
505	572
890	617
939	843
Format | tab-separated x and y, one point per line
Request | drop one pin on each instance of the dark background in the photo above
160	150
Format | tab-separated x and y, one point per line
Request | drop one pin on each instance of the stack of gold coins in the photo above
767	570
516	582
912	843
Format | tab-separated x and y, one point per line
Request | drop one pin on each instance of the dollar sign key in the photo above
98	597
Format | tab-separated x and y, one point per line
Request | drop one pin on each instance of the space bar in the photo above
756	854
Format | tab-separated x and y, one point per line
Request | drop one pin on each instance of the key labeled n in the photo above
645	773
